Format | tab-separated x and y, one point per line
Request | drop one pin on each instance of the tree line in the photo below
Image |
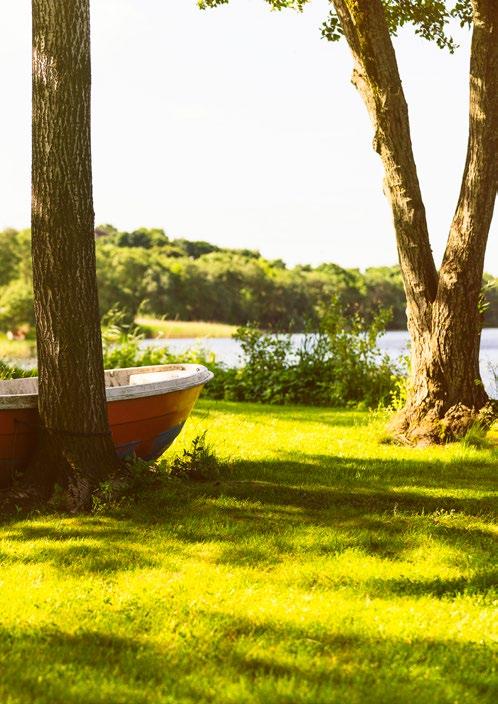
145	271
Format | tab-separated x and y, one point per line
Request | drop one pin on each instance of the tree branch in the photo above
464	257
376	77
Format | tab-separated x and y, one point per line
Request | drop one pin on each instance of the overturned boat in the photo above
147	408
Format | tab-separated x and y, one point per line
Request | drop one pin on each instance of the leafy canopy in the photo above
430	18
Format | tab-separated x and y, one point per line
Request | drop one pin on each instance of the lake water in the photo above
394	343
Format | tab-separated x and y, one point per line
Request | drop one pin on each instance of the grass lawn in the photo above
326	568
154	327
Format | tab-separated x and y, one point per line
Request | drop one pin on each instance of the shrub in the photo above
340	365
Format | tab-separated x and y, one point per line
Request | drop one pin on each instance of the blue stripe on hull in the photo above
163	441
127	450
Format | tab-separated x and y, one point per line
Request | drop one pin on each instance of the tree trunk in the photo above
75	447
446	394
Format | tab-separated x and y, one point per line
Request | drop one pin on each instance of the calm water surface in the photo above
394	343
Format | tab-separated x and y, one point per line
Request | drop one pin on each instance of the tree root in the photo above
63	475
435	425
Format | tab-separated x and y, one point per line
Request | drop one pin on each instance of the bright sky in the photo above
240	126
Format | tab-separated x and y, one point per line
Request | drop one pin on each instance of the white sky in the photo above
240	126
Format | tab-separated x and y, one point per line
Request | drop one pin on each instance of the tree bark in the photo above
446	393
75	447
457	318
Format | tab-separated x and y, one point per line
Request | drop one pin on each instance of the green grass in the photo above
326	568
155	327
16	349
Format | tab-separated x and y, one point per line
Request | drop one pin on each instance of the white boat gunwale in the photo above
187	376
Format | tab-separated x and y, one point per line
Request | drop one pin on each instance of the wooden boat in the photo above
147	408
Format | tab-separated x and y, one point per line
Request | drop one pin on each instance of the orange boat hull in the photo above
18	430
144	427
147	426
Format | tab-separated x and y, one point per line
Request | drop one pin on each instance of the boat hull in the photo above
146	427
18	430
144	419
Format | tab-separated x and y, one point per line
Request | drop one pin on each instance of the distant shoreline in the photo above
187	329
179	329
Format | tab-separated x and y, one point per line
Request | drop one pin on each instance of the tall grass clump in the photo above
12	371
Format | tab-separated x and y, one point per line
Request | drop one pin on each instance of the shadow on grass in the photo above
384	513
258	524
48	665
93	546
322	470
263	660
92	528
84	559
380	508
481	583
348	657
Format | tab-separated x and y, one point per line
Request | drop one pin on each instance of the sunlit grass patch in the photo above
156	327
324	568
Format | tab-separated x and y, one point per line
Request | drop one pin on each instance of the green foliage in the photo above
429	18
143	237
119	492
488	300
15	262
16	304
122	347
399	394
203	282
193	281
275	4
195	249
197	462
340	365
383	288
16	289
476	437
106	499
